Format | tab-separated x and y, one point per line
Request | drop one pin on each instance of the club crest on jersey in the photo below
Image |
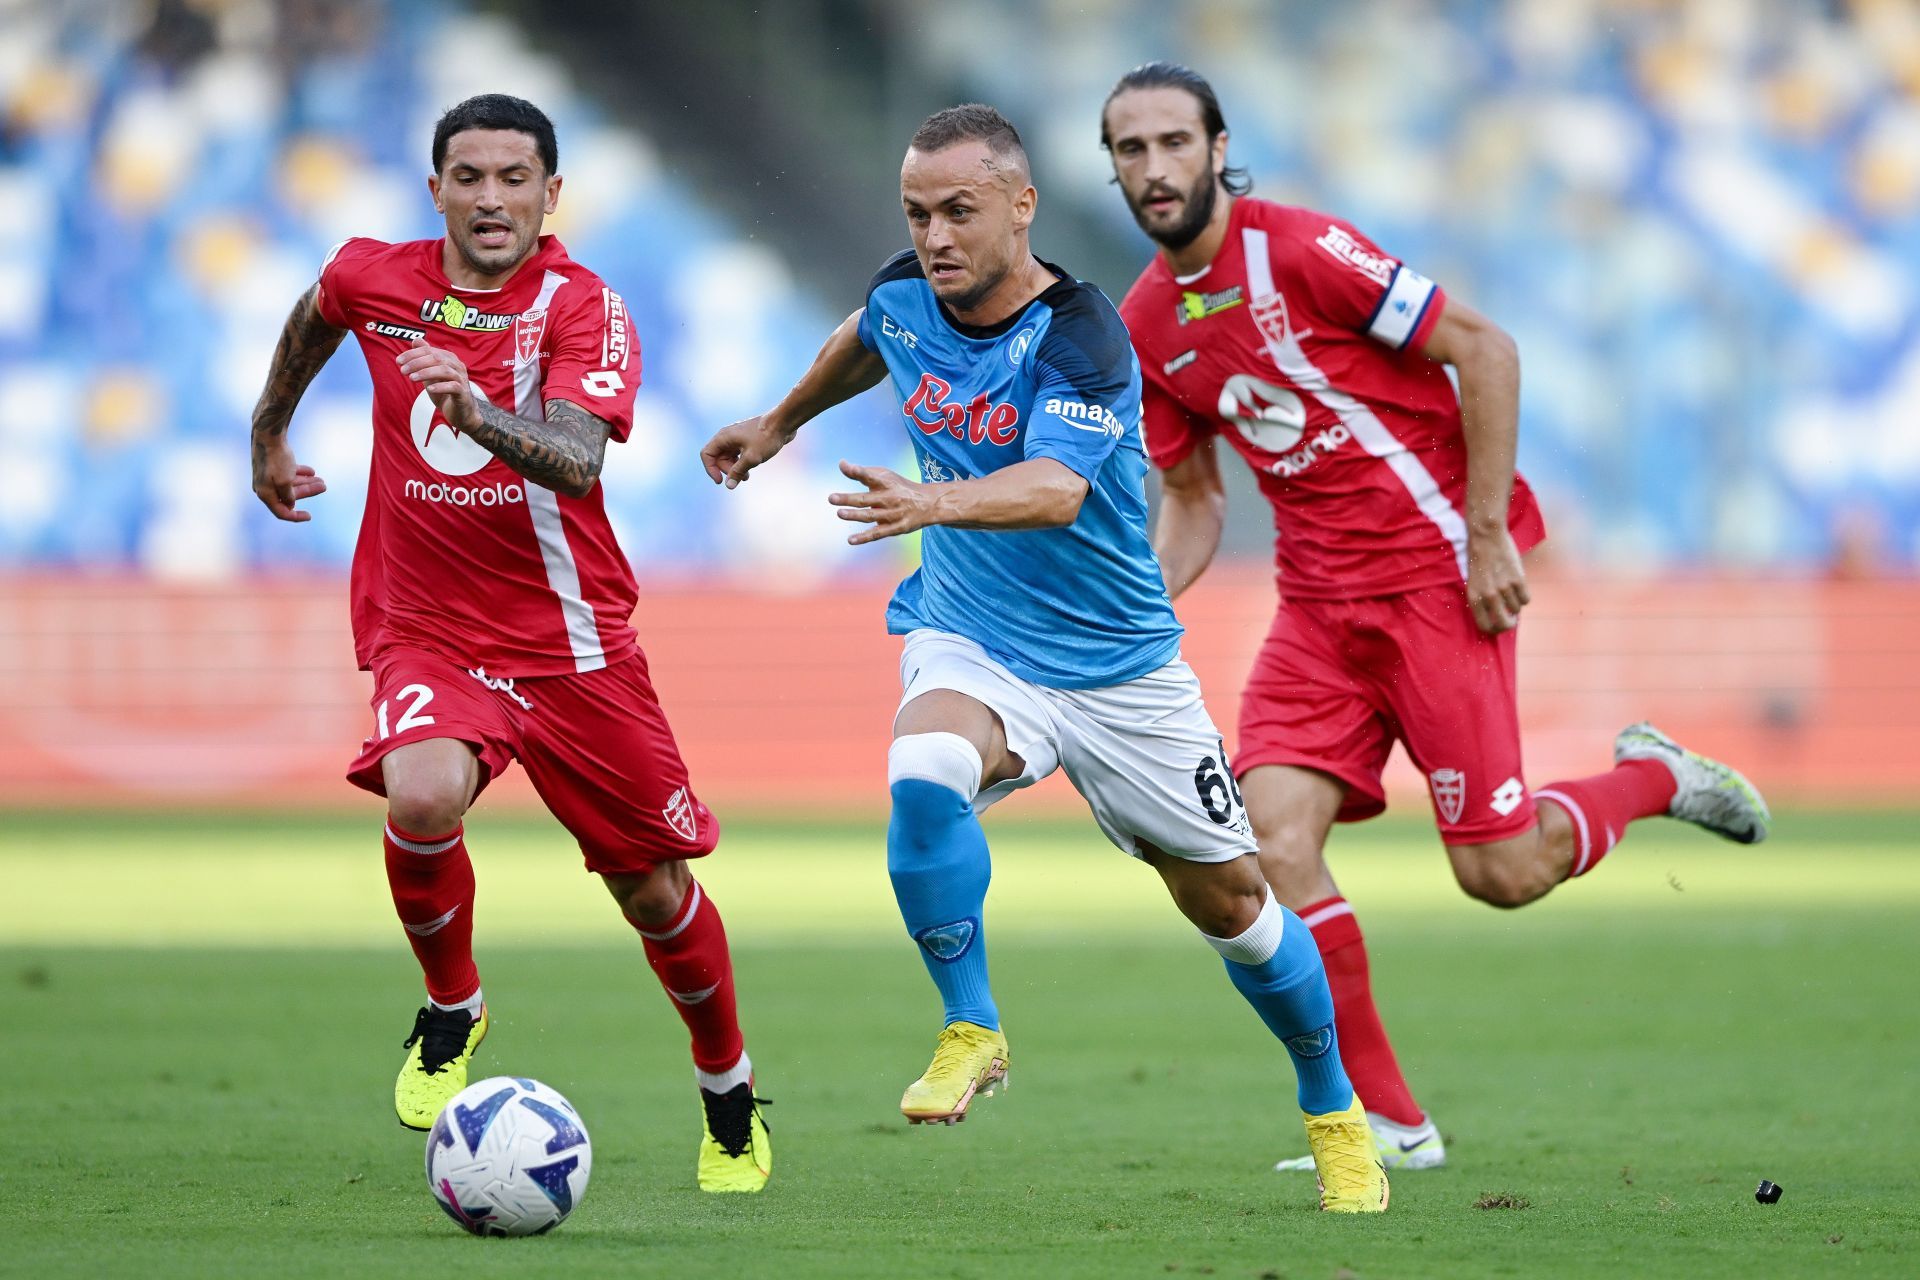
528	328
930	409
1198	306
681	817
1017	349
455	314
1449	792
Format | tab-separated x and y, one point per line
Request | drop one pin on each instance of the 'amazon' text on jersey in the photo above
1078	607
459	554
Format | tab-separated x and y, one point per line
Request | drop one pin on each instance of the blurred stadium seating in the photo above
178	172
1701	222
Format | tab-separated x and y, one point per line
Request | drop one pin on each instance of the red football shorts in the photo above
1337	681
596	747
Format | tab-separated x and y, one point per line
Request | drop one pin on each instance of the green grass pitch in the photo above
200	1019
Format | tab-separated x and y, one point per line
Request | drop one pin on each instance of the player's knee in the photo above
425	806
1292	851
653	897
933	778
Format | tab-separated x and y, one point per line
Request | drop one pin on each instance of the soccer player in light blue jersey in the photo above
1038	632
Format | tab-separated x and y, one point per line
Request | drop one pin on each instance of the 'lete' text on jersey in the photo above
1299	344
1078	607
458	554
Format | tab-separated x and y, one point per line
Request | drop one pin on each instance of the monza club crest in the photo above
1449	792
680	815
528	328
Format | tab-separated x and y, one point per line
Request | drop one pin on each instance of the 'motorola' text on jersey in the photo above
458	554
1078	607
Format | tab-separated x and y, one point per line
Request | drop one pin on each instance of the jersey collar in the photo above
545	250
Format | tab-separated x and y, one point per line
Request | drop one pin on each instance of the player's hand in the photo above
443	378
1496	581
892	504
739	447
280	482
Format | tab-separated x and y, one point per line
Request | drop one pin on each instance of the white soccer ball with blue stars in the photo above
508	1157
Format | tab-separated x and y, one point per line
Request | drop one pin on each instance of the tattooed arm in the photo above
563	453
306	342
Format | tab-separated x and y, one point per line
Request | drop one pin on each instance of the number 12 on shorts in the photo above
411	717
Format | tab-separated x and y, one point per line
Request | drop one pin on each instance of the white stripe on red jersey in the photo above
1300	345
458	554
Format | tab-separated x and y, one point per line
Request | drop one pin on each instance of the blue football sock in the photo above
1288	989
937	857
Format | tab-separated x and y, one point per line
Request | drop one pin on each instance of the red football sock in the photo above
1603	805
432	882
689	956
1364	1049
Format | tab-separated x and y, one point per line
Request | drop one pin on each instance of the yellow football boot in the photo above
1347	1161
969	1060
736	1152
440	1047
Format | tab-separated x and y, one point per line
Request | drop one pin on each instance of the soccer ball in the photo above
508	1157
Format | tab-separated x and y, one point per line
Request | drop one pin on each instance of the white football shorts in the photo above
1145	755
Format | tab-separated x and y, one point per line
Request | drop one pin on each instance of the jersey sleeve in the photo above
594	360
1360	288
1083	376
1171	431
904	265
339	280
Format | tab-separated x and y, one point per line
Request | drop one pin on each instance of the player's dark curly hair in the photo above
498	111
968	122
1171	75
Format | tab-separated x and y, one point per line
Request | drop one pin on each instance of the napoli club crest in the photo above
1449	792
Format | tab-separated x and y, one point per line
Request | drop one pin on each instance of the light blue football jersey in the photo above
1080	607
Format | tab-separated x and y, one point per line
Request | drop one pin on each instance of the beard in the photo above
986	282
492	262
1199	205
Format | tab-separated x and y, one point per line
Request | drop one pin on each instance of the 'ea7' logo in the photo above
930	410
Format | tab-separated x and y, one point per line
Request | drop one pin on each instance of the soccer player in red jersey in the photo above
1322	361
492	603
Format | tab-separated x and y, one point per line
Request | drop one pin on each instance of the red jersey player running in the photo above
491	601
1321	361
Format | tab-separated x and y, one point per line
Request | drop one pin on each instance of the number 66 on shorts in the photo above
1145	754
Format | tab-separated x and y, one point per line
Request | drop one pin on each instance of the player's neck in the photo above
1198	254
461	274
1020	287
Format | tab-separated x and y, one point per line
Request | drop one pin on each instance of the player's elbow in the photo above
581	483
1063	501
1490	347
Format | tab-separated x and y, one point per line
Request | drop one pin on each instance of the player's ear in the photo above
433	189
1220	153
553	193
1025	204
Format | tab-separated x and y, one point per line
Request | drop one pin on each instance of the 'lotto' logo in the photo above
977	420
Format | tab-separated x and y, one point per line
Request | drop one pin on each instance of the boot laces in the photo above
730	1117
442	1036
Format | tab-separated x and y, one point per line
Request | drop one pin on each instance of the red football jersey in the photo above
1300	344
458	554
